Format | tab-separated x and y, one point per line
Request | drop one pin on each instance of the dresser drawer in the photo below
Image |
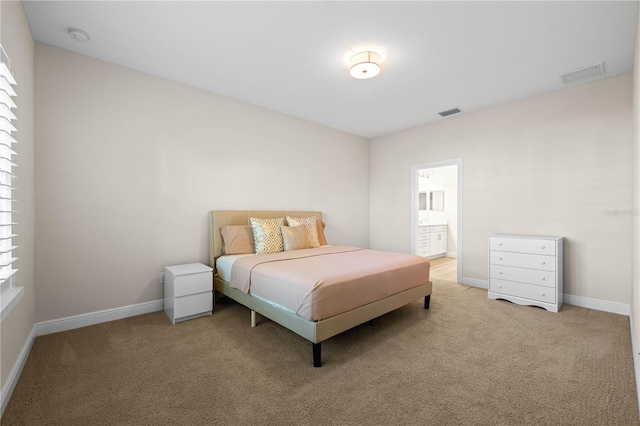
523	245
423	230
526	291
193	304
192	283
530	276
521	260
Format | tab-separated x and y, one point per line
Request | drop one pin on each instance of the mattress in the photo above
320	283
224	264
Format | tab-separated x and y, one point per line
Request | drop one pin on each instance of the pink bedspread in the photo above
322	282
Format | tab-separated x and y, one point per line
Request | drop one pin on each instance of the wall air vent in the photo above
449	112
582	73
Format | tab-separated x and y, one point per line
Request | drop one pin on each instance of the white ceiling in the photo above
292	57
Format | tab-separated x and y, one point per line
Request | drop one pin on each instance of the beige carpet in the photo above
468	360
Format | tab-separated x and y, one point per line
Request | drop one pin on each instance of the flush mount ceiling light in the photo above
364	65
78	35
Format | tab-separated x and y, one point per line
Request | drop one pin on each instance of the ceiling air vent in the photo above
582	73
449	112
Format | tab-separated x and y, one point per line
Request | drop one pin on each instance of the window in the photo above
9	293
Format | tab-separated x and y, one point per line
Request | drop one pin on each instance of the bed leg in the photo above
253	318
317	350
427	299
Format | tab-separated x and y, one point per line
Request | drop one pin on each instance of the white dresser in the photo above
431	240
188	291
526	269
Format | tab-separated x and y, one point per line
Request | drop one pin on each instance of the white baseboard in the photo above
474	282
91	318
583	302
597	304
451	254
14	374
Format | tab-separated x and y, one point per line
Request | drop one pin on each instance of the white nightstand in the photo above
188	291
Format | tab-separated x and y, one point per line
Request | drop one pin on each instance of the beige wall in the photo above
128	165
550	164
16	40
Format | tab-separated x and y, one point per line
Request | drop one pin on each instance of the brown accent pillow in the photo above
321	238
310	228
238	239
294	237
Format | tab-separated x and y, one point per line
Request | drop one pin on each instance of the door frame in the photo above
414	206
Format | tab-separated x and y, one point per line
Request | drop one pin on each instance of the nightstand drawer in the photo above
193	283
193	304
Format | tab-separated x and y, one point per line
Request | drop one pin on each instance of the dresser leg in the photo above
427	299
253	318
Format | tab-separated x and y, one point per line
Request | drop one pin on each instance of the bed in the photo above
315	325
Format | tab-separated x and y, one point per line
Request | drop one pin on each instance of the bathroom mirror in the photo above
436	200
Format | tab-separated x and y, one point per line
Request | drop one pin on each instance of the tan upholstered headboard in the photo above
220	218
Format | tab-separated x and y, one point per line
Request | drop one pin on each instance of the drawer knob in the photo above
499	272
543	293
543	262
543	278
499	244
500	286
542	247
500	258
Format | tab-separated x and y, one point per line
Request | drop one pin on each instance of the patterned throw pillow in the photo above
266	233
309	226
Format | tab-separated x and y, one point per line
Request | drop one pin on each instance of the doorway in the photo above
436	225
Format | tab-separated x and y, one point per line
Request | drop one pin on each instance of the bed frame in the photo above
314	331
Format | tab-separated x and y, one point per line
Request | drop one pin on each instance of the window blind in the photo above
7	93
